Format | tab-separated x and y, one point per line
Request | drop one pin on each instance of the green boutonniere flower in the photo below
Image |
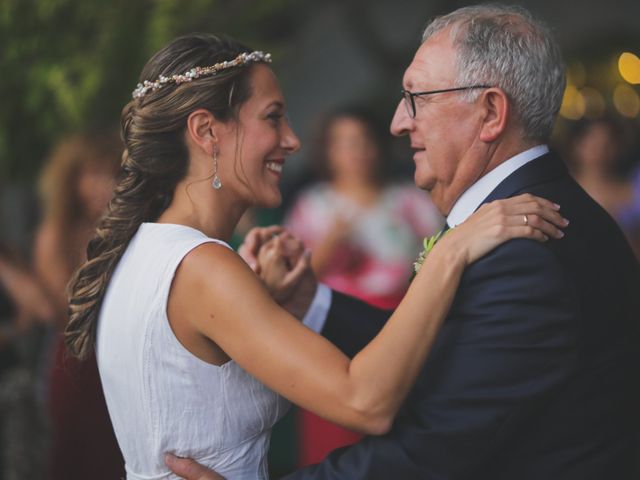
427	245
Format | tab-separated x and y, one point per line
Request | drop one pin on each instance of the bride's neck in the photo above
214	212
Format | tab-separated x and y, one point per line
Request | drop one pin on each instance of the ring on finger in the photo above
526	220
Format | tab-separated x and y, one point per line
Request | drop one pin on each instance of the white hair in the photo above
506	47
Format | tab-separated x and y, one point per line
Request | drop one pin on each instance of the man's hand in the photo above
189	469
301	283
278	273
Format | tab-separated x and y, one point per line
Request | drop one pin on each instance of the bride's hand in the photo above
279	268
524	216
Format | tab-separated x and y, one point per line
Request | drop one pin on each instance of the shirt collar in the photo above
471	199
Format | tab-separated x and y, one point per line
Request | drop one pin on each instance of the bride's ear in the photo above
201	130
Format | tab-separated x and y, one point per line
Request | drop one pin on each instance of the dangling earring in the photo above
216	183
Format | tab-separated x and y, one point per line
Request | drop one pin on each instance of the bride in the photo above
195	356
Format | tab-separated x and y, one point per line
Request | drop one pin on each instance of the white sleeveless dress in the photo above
161	398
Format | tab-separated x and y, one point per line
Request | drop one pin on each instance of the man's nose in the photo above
401	123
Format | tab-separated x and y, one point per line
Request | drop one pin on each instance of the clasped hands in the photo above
283	264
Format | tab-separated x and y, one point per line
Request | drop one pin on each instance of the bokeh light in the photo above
573	104
629	67
626	101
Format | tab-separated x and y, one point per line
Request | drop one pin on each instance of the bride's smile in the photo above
261	139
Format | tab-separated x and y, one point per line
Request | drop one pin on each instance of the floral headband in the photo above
197	72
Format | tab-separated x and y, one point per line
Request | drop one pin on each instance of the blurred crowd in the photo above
54	422
363	224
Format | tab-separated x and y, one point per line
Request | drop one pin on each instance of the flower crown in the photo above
197	72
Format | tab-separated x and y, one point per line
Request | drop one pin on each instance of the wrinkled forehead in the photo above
433	65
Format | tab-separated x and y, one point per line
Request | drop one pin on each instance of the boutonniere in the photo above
427	245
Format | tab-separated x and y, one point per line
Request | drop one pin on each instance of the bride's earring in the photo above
216	183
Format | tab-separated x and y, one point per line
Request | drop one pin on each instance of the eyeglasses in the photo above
409	97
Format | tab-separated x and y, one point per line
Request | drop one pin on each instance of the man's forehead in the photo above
433	62
418	70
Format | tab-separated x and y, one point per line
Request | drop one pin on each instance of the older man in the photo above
535	372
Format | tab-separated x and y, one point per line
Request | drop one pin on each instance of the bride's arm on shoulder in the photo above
227	303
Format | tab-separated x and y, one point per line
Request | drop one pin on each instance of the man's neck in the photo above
471	199
505	151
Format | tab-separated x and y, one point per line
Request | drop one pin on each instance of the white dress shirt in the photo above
473	197
316	316
468	203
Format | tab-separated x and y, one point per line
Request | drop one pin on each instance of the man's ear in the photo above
201	130
496	113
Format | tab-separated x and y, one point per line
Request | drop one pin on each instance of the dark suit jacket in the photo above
534	375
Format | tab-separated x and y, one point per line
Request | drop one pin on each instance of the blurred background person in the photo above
596	155
76	185
24	309
599	156
364	231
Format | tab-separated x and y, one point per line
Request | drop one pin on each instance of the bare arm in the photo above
224	301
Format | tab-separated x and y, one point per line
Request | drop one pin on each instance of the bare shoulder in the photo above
215	294
212	258
216	269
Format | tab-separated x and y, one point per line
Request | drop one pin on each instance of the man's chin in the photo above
435	194
423	183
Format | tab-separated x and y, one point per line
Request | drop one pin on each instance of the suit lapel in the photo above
541	170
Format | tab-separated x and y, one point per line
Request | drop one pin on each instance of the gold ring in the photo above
526	220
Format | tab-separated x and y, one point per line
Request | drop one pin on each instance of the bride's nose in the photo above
290	141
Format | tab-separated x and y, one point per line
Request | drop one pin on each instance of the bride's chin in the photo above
273	200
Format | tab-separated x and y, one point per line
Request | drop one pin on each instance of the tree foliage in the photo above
67	65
